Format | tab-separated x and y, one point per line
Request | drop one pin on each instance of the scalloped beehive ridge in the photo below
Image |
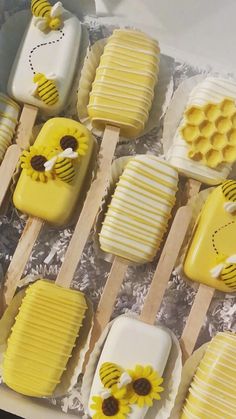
210	132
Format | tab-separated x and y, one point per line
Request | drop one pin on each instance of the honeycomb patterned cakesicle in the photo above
204	144
211	257
210	132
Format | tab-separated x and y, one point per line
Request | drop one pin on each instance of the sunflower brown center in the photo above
68	141
37	162
142	386
110	406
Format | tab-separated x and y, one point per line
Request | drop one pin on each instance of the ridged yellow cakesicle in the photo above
42	338
211	257
138	215
212	394
123	88
54	171
9	112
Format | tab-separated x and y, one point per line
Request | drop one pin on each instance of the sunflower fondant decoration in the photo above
34	160
75	139
112	403
145	386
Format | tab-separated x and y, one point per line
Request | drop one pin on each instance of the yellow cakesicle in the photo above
212	394
211	257
123	88
54	171
42	338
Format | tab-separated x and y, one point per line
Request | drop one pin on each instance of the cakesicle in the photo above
140	209
128	376
54	170
123	88
212	392
204	146
45	63
42	338
211	256
9	113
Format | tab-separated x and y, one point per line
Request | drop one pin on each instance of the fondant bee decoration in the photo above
63	165
112	374
45	89
229	191
226	271
47	16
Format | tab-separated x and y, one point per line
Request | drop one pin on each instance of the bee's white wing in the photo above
40	23
57	10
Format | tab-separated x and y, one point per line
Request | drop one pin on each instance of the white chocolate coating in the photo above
210	90
131	342
138	215
52	53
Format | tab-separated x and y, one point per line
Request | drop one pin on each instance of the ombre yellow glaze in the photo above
210	132
123	88
213	241
212	394
43	338
138	215
54	200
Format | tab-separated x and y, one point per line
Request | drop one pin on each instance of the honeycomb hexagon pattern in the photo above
210	132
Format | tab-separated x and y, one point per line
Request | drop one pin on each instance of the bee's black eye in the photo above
68	141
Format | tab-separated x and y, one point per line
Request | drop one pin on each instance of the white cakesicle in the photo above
129	343
211	90
51	53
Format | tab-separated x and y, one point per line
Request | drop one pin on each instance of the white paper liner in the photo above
188	373
162	95
172	376
75	363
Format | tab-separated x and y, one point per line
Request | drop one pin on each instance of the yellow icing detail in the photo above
27	160
104	407
138	215
54	201
212	391
110	374
151	379
42	9
123	89
46	89
42	338
9	112
210	132
213	239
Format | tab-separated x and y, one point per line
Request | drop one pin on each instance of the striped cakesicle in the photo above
141	206
123	89
9	113
207	132
212	394
43	337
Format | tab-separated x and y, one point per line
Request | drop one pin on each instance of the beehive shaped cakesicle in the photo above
204	146
123	88
42	338
212	392
138	214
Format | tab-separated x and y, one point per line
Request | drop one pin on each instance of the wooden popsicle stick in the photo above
166	264
23	136
22	253
107	301
196	319
90	208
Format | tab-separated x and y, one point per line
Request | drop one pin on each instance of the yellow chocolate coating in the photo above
42	338
212	394
54	199
213	241
123	88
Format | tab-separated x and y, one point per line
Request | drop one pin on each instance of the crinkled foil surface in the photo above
92	272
